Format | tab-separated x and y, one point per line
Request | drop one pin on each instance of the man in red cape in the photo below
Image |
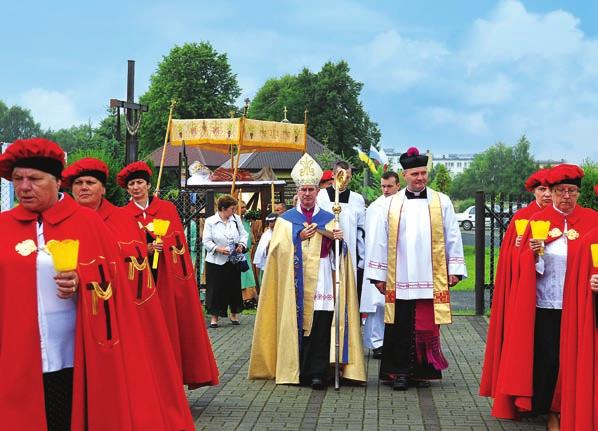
28	336
175	278
505	276
154	381
516	390
579	355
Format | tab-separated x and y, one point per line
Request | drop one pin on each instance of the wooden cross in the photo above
133	115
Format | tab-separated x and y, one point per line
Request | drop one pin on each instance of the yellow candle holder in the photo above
540	230
520	226
160	229
594	248
65	254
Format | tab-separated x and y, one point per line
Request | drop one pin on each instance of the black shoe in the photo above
235	322
317	383
213	325
401	383
377	353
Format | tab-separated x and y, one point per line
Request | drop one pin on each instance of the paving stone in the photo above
450	404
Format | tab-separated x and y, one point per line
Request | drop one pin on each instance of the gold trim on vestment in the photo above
442	301
177	251
442	309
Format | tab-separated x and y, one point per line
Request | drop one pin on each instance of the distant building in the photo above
454	163
549	163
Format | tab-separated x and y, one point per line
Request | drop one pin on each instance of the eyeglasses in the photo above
571	192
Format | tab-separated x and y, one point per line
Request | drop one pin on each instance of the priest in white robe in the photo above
352	219
372	301
417	256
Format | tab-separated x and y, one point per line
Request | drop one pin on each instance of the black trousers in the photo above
58	396
398	351
547	338
315	349
223	289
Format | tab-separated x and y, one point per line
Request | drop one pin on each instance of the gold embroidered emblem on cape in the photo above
555	232
25	248
572	234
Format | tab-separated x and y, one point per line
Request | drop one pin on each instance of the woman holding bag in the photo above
224	238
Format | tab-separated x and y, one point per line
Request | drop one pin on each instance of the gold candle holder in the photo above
65	254
540	230
520	226
160	229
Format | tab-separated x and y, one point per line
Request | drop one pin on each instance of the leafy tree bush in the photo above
199	79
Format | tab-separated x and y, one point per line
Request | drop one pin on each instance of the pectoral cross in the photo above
104	285
179	245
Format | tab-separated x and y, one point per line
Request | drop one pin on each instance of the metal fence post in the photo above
480	252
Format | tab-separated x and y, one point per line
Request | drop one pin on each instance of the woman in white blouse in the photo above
223	236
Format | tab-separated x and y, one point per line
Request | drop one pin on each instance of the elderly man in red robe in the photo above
152	373
579	392
175	280
506	275
61	354
529	366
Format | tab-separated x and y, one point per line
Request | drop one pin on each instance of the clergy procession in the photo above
102	326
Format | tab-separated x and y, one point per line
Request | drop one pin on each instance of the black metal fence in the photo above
492	217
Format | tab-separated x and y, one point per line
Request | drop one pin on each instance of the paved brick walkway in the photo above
452	404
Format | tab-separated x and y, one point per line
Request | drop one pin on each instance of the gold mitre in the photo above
306	172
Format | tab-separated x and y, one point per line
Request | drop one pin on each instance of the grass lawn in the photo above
469	282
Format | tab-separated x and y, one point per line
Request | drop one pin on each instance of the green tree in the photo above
331	96
587	197
199	79
17	123
500	169
442	178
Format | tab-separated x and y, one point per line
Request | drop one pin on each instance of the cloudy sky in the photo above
449	76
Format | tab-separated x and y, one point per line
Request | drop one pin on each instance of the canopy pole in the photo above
305	135
157	191
241	135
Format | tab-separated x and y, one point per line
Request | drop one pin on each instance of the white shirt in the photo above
216	233
261	251
57	317
551	269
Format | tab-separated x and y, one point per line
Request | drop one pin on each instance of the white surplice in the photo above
352	221
372	301
414	258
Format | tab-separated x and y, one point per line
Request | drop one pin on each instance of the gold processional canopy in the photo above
245	134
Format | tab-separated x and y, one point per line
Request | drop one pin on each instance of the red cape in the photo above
514	387
507	262
154	381
100	400
579	356
179	297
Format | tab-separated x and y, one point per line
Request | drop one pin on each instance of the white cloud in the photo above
471	122
512	33
391	61
52	109
493	92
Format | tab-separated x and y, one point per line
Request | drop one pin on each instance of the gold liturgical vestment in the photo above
275	347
